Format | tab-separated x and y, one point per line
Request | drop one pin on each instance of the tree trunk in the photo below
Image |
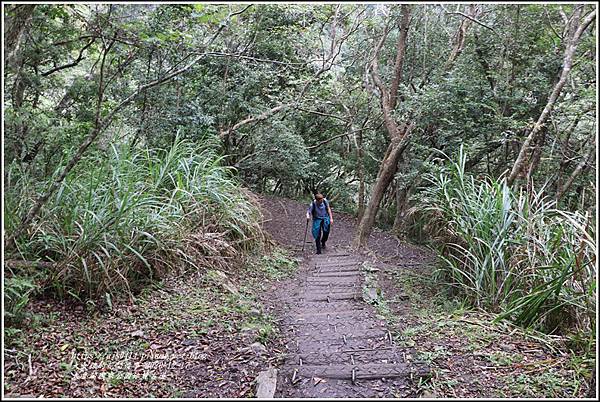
397	134
535	158
361	175
144	112
578	170
15	30
461	36
385	176
565	149
570	48
400	51
402	195
402	199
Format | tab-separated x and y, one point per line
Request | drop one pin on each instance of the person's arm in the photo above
330	214
308	211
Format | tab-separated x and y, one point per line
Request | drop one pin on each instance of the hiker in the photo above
322	219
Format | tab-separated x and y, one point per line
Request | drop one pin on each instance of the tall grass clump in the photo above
133	215
513	252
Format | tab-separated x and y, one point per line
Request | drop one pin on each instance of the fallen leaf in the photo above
138	333
318	380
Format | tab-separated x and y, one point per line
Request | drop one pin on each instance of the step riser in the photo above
341	327
356	280
337	265
337	274
364	372
325	306
346	359
337	345
337	268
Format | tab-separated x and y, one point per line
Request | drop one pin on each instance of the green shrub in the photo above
17	290
118	222
513	252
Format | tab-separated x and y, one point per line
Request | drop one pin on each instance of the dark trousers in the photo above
320	240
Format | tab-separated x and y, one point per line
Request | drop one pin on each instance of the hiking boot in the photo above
318	251
323	246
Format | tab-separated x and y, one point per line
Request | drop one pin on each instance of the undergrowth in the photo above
513	253
121	221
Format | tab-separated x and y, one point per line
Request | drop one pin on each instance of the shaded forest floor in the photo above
200	335
195	336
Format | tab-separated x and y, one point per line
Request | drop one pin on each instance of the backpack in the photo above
313	210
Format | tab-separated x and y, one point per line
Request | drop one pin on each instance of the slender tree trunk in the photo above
461	36
486	67
403	197
144	112
402	194
400	51
570	48
535	158
387	170
566	154
578	170
361	174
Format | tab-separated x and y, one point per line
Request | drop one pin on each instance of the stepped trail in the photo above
336	343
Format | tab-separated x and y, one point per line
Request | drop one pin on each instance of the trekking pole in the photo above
305	231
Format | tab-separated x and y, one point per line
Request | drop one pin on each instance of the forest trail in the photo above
336	346
336	343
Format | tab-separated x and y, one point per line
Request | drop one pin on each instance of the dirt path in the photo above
337	344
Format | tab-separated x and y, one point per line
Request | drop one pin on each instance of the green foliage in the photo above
279	153
17	290
118	222
512	251
277	265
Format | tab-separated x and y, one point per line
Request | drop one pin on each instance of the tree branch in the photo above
323	114
72	64
472	18
400	51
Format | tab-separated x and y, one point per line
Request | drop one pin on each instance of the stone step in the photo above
336	343
334	280
339	341
358	371
336	274
386	356
351	312
322	322
341	325
329	296
324	318
334	333
332	255
323	306
329	289
333	285
337	269
335	264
